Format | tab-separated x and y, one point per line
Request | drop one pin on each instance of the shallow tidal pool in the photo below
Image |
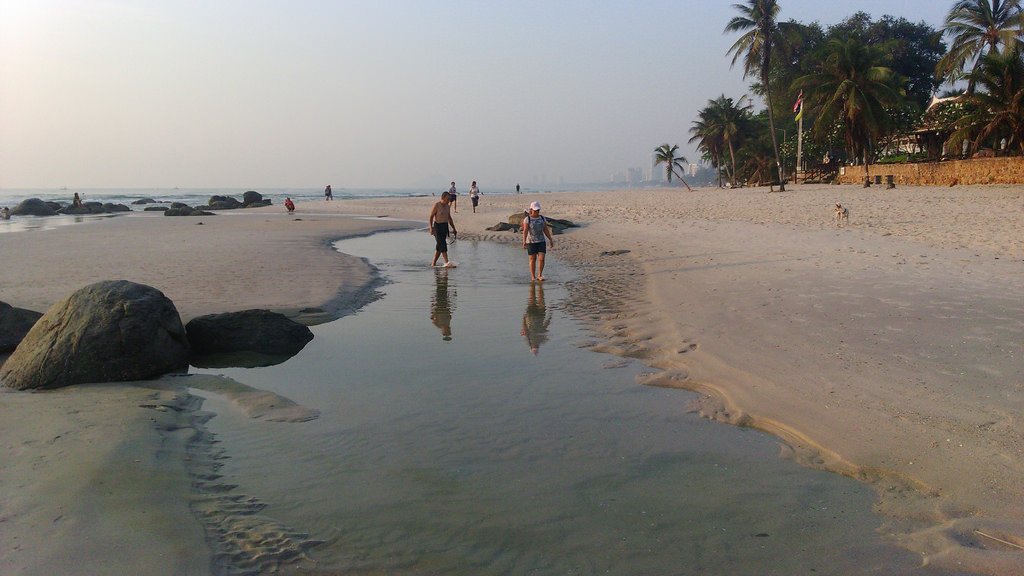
463	430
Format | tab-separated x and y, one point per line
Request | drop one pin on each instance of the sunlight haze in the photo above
385	94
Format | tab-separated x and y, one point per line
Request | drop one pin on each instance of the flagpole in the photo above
799	142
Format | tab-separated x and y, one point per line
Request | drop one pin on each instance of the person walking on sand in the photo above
454	195
440	222
328	193
535	228
517	188
474	195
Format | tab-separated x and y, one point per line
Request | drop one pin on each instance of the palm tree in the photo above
709	144
998	111
976	28
667	154
852	89
720	124
758	21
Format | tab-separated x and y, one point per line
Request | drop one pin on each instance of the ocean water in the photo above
465	429
198	196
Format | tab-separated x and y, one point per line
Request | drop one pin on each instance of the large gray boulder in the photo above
110	331
14	325
33	207
252	197
260	331
222	203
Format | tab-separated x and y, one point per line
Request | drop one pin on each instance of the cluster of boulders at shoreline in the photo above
250	199
118	331
37	207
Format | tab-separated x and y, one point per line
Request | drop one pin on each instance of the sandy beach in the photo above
890	350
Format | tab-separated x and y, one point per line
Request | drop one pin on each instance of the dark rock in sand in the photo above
144	201
15	323
557	225
155	209
222	203
34	207
502	227
252	197
179	205
93	208
110	331
186	211
259	331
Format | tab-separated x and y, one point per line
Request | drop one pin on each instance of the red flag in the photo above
799	101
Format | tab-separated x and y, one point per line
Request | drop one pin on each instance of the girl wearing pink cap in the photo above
535	228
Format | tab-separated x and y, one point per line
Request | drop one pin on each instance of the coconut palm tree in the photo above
976	28
666	154
853	89
758	21
997	111
709	143
722	122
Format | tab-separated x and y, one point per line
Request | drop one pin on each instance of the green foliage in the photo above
977	28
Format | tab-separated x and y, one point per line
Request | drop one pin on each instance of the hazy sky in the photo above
249	94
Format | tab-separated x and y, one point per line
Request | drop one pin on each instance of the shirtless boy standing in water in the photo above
440	221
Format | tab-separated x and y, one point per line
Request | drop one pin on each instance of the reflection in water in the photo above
442	303
536	319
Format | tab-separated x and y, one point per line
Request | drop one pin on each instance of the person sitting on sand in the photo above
76	201
439	223
5	214
289	205
535	228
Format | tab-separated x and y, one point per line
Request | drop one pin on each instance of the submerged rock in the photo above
259	331
110	331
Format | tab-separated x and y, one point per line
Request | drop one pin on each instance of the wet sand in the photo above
889	350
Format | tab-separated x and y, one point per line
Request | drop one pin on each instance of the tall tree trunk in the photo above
771	126
732	159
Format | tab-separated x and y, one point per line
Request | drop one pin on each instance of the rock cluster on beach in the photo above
250	199
117	330
37	207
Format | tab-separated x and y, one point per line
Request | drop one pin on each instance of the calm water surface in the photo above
446	445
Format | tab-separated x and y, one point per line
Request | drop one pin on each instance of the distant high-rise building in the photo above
693	169
635	176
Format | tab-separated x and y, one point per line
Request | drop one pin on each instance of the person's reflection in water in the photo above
536	319
442	304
